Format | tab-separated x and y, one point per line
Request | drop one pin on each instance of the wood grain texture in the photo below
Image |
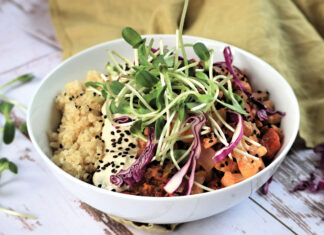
28	44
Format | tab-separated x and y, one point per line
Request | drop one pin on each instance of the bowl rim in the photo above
88	186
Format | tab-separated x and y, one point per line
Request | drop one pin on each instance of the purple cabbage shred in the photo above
136	171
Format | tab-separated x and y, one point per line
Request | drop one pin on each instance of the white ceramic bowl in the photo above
42	116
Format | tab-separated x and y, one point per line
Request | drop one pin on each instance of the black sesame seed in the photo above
98	154
226	163
98	170
102	141
259	91
114	190
99	185
94	93
210	141
90	109
252	161
112	133
126	140
120	148
257	155
124	155
64	93
119	154
81	94
125	152
115	156
105	116
100	121
107	150
118	131
127	149
70	98
101	161
131	156
222	165
117	167
122	134
97	136
61	146
122	163
127	132
113	140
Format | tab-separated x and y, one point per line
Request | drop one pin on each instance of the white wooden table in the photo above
28	45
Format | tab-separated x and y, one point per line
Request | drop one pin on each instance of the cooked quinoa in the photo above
76	143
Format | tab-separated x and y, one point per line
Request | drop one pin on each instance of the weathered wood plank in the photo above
245	218
34	190
301	211
25	35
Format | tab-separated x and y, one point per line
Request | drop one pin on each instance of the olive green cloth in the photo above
288	34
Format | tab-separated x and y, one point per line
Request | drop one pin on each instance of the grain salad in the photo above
161	124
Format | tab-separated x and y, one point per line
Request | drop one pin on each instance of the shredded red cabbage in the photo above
122	119
311	183
229	60
237	136
136	171
265	187
263	112
176	180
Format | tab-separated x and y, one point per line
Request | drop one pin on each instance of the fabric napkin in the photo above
288	34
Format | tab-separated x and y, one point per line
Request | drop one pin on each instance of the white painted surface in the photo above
34	190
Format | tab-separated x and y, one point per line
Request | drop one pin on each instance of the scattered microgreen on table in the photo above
6	106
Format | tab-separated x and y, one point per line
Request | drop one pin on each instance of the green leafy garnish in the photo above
132	37
145	79
22	78
201	51
137	130
5	164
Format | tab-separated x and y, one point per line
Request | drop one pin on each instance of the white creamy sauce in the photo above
120	153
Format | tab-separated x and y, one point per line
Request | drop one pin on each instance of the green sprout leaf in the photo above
145	79
177	154
182	112
116	87
22	78
159	124
5	164
132	37
5	109
137	130
95	84
8	132
205	99
122	108
142	55
201	51
159	60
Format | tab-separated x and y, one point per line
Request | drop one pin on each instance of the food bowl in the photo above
43	116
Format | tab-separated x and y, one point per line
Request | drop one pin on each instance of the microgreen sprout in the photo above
161	88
